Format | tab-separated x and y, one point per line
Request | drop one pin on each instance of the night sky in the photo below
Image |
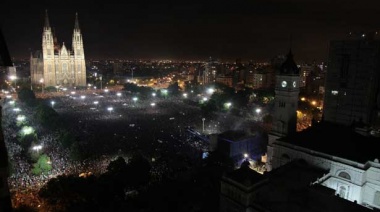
255	29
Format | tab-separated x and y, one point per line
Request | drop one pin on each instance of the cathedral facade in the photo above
56	65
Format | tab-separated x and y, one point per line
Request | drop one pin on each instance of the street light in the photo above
210	91
258	110
135	99
37	148
203	121
101	82
52	103
13	78
118	94
42	84
20	118
110	109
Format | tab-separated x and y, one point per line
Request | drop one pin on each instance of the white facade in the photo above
59	66
351	180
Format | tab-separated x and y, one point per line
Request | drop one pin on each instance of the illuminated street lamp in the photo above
154	94
152	104
110	109
203	125
210	91
42	84
227	105
135	99
118	94
13	78
82	97
52	103
37	148
16	109
185	95
258	111
27	130
20	118
245	155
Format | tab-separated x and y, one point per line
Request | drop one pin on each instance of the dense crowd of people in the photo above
156	130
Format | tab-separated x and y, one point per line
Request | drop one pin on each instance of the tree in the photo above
174	89
76	152
43	165
26	95
48	116
71	193
138	170
66	138
118	165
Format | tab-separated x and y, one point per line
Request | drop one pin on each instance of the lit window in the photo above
334	93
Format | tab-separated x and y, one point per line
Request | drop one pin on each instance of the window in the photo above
344	175
376	200
342	192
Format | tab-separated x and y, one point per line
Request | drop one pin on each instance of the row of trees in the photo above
47	117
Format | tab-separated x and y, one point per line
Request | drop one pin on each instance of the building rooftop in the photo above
244	175
337	140
289	188
235	135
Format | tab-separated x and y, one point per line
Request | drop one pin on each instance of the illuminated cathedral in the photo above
56	65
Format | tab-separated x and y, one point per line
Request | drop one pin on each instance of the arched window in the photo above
344	175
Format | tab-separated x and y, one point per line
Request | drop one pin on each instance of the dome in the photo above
289	67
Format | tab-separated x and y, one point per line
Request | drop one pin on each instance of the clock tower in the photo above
286	98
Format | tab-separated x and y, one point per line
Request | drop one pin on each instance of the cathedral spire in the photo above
47	24
76	22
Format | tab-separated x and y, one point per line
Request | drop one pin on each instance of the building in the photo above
286	189
57	65
286	97
239	145
225	79
351	163
352	81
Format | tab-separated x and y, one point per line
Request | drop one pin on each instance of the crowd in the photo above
156	130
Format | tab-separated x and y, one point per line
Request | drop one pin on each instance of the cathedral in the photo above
57	65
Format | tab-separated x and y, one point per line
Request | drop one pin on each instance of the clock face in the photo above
294	84
283	84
